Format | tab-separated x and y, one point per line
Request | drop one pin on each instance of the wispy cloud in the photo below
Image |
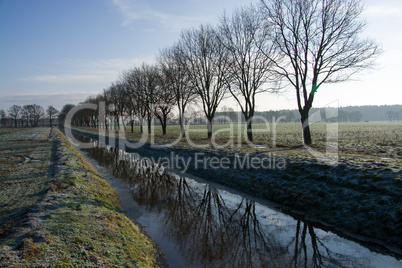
136	10
63	78
130	10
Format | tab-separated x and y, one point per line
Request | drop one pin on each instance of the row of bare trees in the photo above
265	48
27	115
205	65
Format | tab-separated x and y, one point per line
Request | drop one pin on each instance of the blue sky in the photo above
58	52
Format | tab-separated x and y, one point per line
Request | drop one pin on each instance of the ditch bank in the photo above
77	221
364	205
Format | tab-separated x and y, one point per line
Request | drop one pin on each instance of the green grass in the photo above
70	217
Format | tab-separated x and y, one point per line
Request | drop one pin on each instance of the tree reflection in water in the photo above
214	228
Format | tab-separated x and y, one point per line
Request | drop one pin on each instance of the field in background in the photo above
377	138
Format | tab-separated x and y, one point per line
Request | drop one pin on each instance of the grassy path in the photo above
56	209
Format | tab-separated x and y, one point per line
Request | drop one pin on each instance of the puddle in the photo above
196	224
26	159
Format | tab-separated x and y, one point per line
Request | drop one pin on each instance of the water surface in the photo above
197	224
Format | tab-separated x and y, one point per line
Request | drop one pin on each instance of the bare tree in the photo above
34	113
52	112
151	80
64	111
93	114
27	111
37	113
115	95
3	116
165	101
135	85
243	35
174	68
14	113
318	43
121	102
207	62
129	100
24	115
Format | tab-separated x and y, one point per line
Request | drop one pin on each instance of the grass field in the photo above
57	211
382	139
7	130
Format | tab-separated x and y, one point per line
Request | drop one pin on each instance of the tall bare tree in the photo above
135	85
151	82
174	68
52	112
129	100
243	34
207	63
165	101
319	43
14	113
115	95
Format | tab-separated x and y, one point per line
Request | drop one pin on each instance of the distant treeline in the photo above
30	115
345	114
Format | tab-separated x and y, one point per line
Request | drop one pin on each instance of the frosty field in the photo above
56	209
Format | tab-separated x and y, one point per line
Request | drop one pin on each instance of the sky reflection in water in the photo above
198	225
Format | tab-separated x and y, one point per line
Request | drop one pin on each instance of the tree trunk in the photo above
164	125
306	128
209	127
183	133
163	120
117	123
249	129
149	126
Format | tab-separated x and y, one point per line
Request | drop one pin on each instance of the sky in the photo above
59	52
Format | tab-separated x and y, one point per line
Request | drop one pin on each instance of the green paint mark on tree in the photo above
315	87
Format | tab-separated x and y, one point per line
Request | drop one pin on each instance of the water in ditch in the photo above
197	224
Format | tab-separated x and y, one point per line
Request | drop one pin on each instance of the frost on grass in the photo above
58	211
